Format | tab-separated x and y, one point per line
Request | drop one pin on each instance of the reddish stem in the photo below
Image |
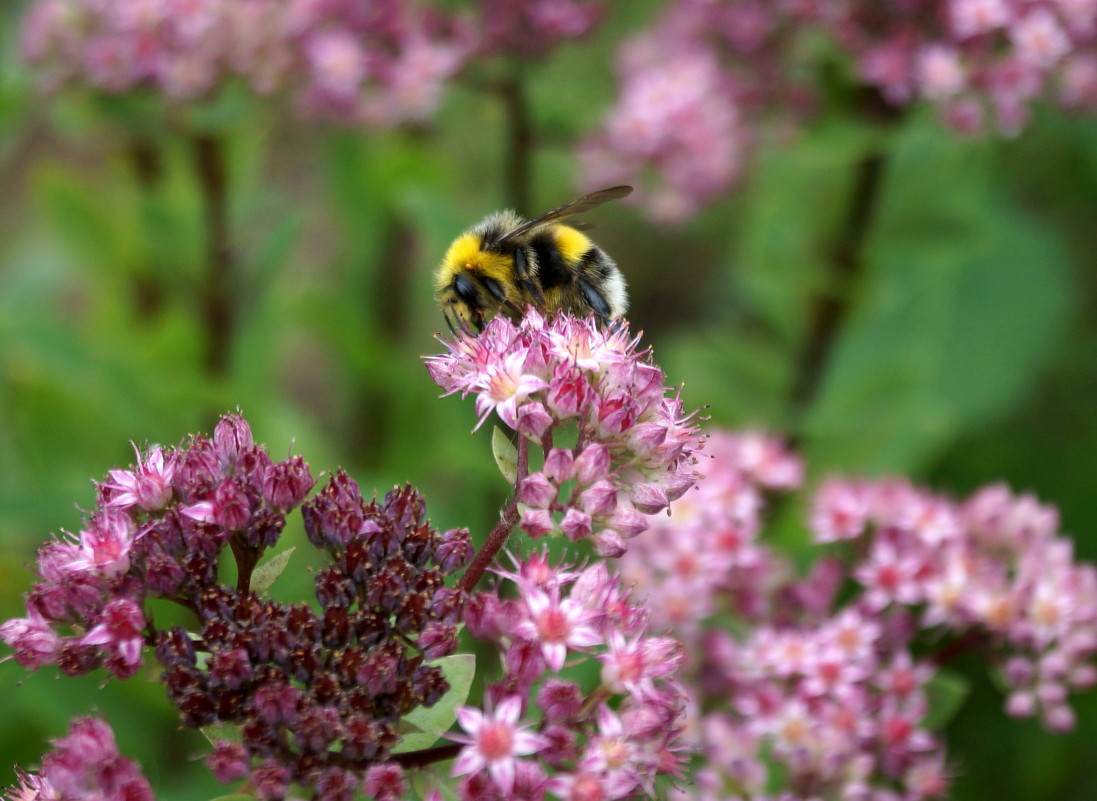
958	647
508	519
428	756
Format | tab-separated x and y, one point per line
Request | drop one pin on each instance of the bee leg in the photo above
521	270
456	324
595	299
447	316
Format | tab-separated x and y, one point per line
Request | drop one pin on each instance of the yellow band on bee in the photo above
571	242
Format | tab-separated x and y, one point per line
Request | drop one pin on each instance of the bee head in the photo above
473	282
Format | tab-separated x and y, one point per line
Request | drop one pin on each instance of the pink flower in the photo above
556	624
85	766
940	73
634	665
34	640
495	741
1039	39
839	512
337	61
637	445
891	574
974	17
505	385
147	486
105	545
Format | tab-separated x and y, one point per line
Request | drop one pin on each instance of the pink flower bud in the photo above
537	491
568	393
228	762
599	500
1021	705
593	464
608	544
575	525
231	438
230	507
537	522
629	523
649	498
559	465
533	419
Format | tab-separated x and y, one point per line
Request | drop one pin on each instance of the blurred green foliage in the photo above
965	354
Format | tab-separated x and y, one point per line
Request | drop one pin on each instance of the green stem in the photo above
517	165
148	170
846	266
216	296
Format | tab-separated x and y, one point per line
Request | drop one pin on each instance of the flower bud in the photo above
230	439
575	525
287	484
537	491
559	465
649	498
537	522
592	465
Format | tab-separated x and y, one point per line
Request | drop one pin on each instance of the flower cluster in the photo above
975	56
318	695
992	568
380	63
634	450
605	742
833	697
692	84
709	556
837	706
676	130
532	27
157	532
85	766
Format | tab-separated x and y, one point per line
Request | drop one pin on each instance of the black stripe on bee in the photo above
552	270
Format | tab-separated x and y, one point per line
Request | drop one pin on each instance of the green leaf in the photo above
506	455
962	305
459	670
234	797
264	576
222	732
946	692
415	741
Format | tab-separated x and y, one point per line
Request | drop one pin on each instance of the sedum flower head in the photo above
156	533
612	739
317	692
381	65
706	73
634	449
825	682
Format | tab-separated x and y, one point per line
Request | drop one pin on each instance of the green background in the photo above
965	354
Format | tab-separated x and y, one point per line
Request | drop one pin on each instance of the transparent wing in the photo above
585	203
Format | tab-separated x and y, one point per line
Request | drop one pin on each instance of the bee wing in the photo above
585	203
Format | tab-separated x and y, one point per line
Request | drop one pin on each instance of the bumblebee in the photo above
506	263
